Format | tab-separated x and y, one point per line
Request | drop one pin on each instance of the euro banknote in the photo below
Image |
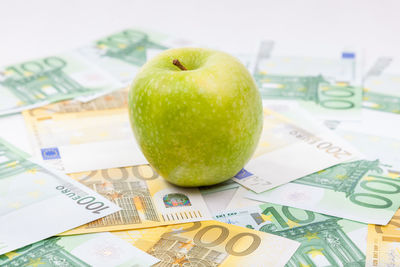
325	240
381	85
291	146
361	190
102	249
328	87
146	199
45	80
212	243
37	202
75	136
383	247
84	73
374	146
122	53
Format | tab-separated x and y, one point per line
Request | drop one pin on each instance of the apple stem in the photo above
178	64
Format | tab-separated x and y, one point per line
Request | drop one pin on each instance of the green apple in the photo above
196	115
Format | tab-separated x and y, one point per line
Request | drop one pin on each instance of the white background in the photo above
31	29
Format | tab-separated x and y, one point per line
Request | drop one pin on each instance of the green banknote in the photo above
381	86
375	146
45	80
103	249
362	190
325	240
123	53
326	87
37	202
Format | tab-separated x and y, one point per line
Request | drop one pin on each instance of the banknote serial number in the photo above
326	146
89	202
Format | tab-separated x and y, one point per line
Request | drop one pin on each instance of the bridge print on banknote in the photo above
42	79
128	46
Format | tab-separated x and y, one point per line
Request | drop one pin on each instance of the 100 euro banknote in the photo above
36	202
325	240
122	54
290	148
146	199
325	86
360	190
211	243
381	85
45	80
85	73
101	250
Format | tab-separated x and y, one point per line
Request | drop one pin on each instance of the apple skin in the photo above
199	126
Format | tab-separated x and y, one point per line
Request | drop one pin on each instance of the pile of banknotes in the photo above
322	189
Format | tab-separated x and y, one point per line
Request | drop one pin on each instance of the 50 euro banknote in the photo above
37	202
146	199
211	243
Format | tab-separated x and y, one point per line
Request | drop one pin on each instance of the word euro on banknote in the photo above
75	136
101	250
361	190
384	243
211	243
291	148
381	86
146	199
325	240
329	87
36	202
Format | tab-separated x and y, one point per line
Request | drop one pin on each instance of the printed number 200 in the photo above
224	233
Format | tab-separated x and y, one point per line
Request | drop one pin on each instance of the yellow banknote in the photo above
146	199
383	247
75	136
211	243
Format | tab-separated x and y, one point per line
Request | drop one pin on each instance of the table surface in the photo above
38	28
